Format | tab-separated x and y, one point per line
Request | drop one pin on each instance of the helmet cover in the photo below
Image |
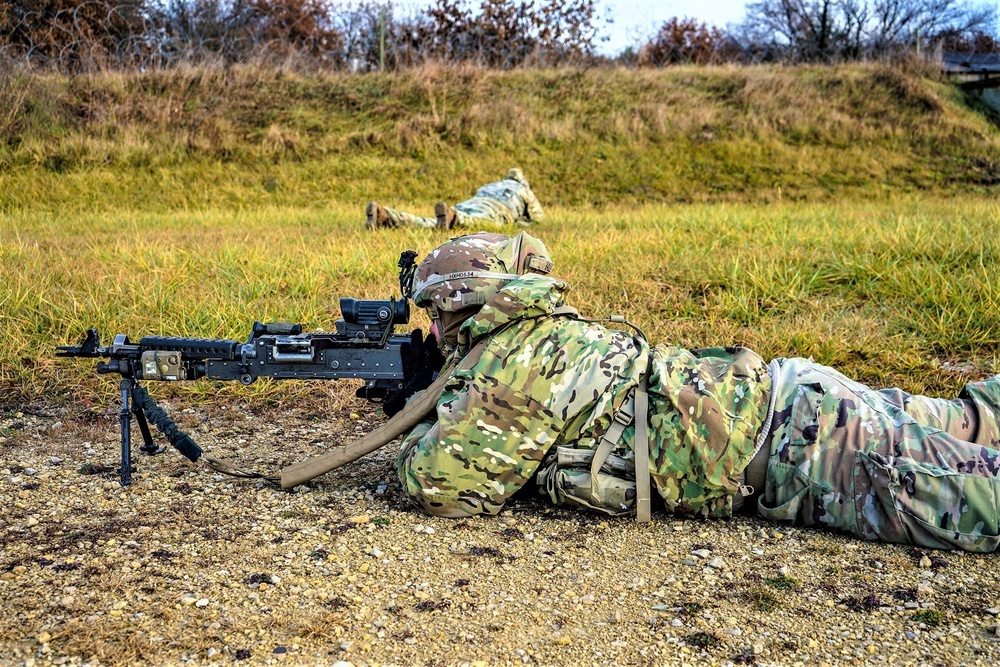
467	271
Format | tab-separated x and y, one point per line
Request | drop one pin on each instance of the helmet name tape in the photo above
461	275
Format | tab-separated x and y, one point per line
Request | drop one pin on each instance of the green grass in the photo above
885	291
844	213
251	138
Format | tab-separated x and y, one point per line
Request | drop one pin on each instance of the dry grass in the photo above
254	136
886	292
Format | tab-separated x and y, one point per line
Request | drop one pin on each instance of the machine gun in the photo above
363	346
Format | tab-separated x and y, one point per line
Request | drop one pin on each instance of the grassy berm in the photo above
250	137
847	214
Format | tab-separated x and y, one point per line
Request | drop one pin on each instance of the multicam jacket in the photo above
507	201
546	389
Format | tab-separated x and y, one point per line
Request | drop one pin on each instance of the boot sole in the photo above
441	212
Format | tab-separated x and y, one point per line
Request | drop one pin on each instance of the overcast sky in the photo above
636	20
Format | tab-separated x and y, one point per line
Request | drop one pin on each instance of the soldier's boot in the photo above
445	215
376	216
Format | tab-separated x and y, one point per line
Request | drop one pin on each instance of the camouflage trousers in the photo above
884	465
481	213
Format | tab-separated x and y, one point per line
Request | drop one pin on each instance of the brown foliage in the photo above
74	32
682	41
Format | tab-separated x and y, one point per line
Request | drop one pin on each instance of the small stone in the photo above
55	460
43	637
360	519
701	553
924	588
30	472
689	562
717	563
911	635
343	663
429	530
418	528
19	569
211	653
734	632
375	552
202	603
562	640
187	600
662	607
784	570
777	535
67	600
911	605
32	521
993	611
925	562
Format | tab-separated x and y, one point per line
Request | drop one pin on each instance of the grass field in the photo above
898	292
847	213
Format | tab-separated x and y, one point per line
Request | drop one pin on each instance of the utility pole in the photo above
381	39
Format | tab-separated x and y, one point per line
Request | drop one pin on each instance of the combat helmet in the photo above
466	271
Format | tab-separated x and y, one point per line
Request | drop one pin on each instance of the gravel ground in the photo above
186	566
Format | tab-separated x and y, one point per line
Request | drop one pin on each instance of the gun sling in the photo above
399	424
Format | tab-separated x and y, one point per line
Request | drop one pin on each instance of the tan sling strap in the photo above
638	413
399	424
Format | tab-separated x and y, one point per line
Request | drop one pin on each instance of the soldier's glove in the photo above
421	362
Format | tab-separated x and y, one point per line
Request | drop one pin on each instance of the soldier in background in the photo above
592	415
496	205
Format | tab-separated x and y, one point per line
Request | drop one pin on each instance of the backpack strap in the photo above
635	411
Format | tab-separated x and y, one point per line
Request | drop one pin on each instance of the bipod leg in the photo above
148	446
125	416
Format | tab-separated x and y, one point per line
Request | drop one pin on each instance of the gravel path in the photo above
189	567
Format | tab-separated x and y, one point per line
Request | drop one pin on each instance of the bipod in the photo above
132	400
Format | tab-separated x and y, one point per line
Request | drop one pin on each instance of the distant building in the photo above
974	71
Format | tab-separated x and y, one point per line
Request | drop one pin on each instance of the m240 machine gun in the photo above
364	346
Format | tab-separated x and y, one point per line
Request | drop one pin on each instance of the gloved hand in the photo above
421	362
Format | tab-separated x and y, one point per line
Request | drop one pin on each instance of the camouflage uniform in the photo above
495	206
884	464
547	388
878	464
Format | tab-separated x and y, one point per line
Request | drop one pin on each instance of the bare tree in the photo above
813	30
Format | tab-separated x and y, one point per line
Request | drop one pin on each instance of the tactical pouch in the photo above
565	477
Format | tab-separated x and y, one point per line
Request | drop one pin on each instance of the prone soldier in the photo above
496	205
595	417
